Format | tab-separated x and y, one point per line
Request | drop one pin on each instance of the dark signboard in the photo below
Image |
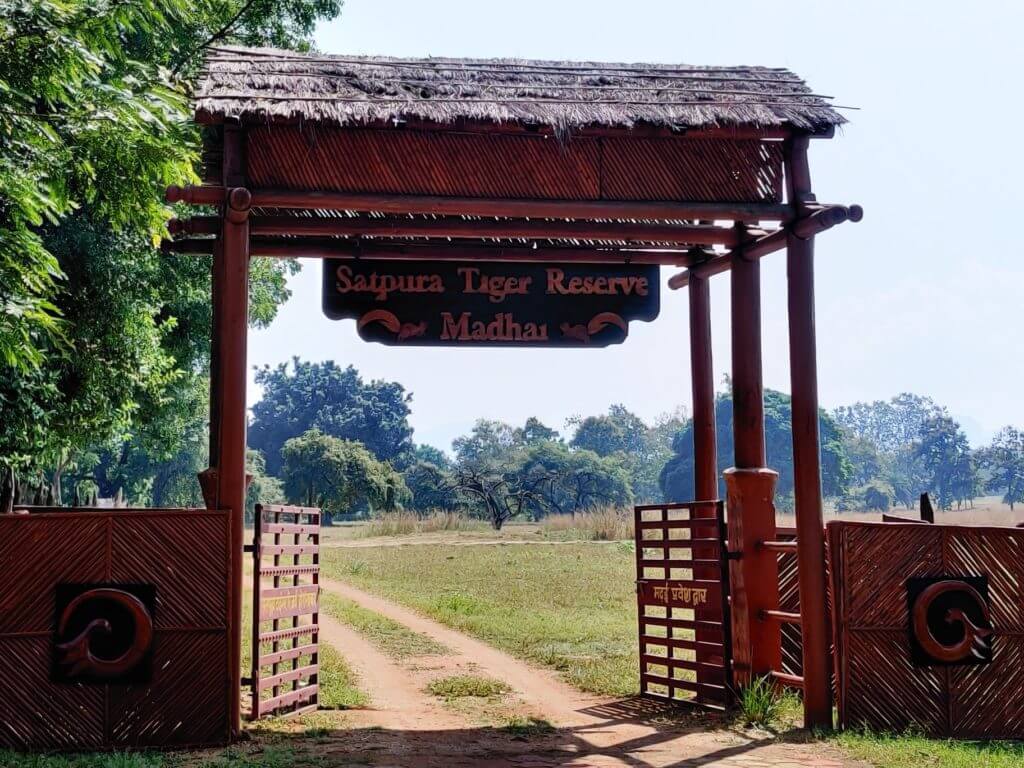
490	303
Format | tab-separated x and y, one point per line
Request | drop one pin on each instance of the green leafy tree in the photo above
97	332
339	476
677	476
946	457
1003	460
643	450
432	487
334	400
574	480
263	489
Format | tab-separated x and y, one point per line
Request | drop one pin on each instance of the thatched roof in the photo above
264	84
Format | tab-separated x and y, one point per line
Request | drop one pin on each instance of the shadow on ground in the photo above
633	732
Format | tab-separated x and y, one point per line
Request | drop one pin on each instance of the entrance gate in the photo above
286	596
683	602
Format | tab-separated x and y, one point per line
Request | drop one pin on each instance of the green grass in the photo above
393	639
463	686
908	750
570	607
760	702
112	760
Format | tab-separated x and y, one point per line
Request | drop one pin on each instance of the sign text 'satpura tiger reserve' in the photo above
490	303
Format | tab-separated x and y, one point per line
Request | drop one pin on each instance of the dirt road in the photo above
410	727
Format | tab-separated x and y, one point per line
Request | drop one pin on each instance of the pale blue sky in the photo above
923	295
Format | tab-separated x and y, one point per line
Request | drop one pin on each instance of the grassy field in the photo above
570	607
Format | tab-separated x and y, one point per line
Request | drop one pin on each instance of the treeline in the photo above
323	436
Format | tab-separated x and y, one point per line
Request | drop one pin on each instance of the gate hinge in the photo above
733	554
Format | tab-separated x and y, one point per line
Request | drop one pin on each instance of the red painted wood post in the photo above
705	448
750	490
231	292
803	366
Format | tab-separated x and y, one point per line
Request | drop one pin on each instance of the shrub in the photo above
760	701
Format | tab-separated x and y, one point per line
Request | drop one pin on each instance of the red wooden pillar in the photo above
803	366
750	489
705	448
231	316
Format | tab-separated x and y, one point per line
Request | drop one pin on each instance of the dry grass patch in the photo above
599	524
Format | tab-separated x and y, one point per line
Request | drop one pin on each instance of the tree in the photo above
98	333
677	476
575	480
334	400
1003	459
643	450
501	495
946	457
339	476
262	489
534	431
488	442
429	478
888	425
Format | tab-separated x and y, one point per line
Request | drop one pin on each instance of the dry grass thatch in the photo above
266	84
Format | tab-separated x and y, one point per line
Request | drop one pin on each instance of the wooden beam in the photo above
334	249
520	208
395	226
231	289
807	494
817	220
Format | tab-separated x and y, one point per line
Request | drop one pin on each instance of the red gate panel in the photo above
286	607
888	677
682	602
177	694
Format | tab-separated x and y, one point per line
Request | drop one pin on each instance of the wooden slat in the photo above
787	679
292	697
680	643
278	592
672	563
289	612
285	509
680	623
689	685
289	570
289	549
291	528
688	664
286	677
694	522
289	654
290	632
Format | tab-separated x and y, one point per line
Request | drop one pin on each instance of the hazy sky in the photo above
923	295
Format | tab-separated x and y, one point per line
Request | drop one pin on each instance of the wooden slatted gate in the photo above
286	605
683	602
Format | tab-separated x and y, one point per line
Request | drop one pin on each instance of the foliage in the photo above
677	477
339	476
333	400
642	450
946	457
1004	462
263	489
98	333
432	487
574	480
